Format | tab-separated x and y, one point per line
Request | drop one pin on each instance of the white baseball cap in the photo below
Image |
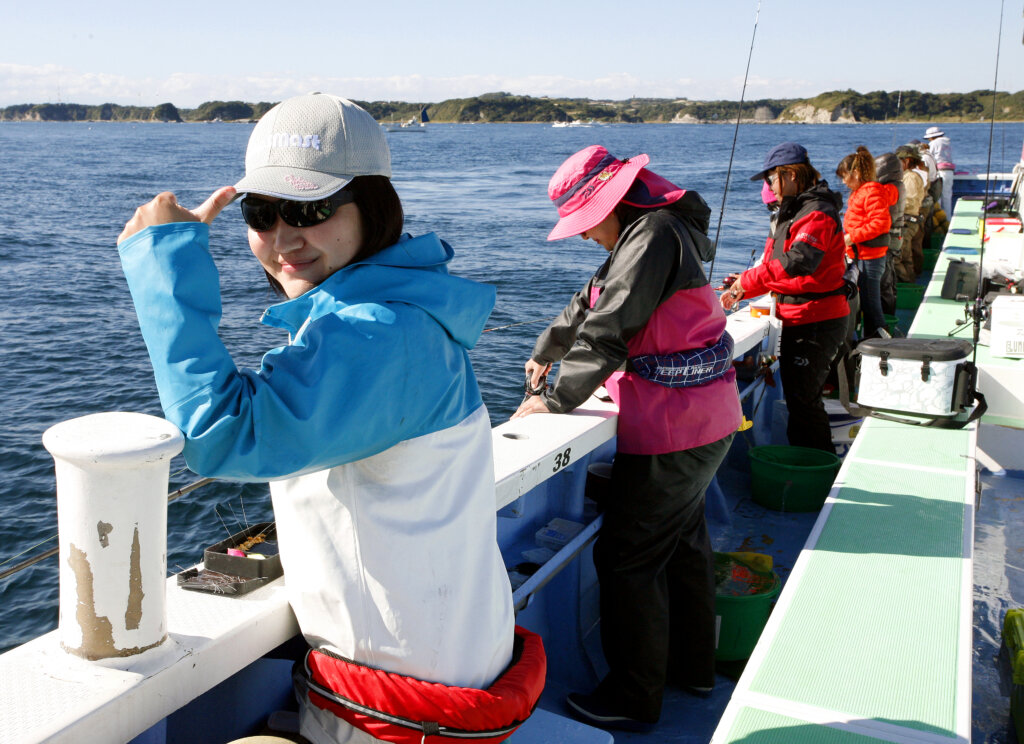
308	147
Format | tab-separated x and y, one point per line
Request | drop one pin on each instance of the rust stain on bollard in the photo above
97	632
133	615
103	529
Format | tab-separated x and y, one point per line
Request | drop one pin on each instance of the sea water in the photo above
71	344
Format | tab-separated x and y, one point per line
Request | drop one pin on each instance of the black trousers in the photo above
806	355
888	283
656	572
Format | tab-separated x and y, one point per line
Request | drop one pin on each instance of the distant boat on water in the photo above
412	125
577	123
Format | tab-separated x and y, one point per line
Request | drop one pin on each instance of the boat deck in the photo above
871	639
735	522
871	636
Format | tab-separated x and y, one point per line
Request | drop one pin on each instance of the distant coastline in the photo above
838	107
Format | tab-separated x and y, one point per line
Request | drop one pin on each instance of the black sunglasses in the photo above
261	215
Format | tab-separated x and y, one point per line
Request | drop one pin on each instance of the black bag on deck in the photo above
961	280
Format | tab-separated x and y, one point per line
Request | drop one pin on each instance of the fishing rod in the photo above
53	551
179	492
979	300
979	310
735	135
895	120
728	173
513	325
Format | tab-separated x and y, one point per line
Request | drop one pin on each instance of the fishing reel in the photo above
542	385
727	281
976	312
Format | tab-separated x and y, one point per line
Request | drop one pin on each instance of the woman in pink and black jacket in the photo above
648	327
803	268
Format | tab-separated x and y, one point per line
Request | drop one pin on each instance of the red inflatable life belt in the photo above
405	710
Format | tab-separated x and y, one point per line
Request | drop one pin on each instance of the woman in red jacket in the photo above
867	223
803	268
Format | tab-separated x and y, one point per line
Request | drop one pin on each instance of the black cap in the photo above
908	151
788	153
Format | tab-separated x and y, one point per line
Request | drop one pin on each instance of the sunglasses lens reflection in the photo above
261	215
258	214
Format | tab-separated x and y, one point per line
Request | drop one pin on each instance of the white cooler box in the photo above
1007	314
918	377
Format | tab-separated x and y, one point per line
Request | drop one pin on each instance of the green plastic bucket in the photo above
936	240
908	295
931	257
891	321
743	601
791	479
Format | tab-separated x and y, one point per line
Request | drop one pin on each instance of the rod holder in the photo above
112	482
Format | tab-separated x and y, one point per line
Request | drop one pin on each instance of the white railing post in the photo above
112	475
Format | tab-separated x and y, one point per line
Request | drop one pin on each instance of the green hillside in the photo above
846	106
912	105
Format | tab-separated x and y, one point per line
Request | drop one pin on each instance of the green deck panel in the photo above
928	447
872	629
965	218
755	726
957	243
936	318
966	209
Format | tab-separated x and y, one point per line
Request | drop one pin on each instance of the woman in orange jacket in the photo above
867	224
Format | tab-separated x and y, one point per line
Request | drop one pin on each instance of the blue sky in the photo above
144	53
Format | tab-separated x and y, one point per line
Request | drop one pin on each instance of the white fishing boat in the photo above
412	125
871	638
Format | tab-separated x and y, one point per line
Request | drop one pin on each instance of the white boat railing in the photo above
55	696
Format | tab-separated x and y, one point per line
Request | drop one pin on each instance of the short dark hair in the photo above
804	174
382	214
628	214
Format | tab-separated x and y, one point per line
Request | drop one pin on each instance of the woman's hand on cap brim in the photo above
164	210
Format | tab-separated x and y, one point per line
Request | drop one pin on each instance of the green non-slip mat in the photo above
871	628
906	445
753	726
936	318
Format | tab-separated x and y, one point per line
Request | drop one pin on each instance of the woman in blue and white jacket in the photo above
369	422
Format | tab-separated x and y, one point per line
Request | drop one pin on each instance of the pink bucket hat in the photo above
588	185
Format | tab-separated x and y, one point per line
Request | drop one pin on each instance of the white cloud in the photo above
50	83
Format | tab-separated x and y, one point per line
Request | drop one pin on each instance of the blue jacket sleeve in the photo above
316	403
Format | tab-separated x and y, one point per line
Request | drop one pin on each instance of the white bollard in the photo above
112	480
